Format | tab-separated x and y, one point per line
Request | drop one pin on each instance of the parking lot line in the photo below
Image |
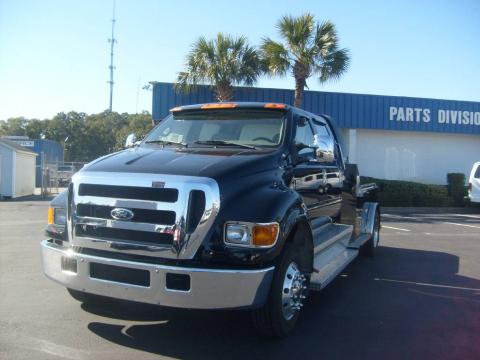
400	216
393	228
427	284
467	225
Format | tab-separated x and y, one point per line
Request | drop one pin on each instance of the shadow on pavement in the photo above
29	198
375	310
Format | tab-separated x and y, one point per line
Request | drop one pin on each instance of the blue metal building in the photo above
391	137
349	110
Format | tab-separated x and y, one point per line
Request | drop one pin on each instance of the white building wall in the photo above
24	174
413	156
6	171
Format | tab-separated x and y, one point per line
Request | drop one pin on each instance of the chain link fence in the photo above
54	177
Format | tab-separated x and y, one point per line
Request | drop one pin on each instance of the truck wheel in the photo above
288	291
368	249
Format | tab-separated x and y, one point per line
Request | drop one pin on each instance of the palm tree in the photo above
308	49
223	62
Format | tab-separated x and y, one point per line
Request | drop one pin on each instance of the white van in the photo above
474	184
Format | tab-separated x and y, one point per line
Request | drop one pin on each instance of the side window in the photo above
321	129
304	136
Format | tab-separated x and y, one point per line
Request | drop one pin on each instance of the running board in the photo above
329	234
357	244
329	264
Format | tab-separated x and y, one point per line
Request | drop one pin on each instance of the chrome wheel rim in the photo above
293	291
376	233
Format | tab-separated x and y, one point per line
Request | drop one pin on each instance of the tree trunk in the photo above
299	86
224	92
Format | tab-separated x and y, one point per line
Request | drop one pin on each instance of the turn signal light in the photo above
274	106
219	106
50	216
265	235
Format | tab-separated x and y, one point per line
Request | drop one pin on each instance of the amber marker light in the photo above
50	216
274	106
264	234
219	106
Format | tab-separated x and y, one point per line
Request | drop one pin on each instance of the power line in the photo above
112	42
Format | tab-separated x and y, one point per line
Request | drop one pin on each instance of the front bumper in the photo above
209	288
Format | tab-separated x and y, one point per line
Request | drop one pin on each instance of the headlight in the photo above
251	234
237	234
57	216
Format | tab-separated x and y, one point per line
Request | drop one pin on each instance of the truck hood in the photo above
214	163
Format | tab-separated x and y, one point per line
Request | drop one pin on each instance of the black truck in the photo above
221	206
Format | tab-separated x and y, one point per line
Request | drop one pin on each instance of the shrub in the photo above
407	193
456	187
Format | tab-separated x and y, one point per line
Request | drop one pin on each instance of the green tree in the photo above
223	62
13	126
139	124
308	49
70	126
35	128
84	137
102	130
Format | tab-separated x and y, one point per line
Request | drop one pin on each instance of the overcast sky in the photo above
54	55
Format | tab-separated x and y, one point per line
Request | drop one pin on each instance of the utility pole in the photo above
138	91
112	42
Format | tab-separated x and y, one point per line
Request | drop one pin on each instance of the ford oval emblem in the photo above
121	214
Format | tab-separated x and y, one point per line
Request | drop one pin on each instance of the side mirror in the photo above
131	140
325	149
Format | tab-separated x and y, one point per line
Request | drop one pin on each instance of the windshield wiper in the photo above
166	142
224	143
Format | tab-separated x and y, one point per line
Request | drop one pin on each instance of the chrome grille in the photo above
140	215
129	192
168	221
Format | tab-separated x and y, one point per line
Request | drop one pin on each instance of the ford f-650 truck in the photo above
221	206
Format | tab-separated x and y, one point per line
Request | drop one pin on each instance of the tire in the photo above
368	249
274	319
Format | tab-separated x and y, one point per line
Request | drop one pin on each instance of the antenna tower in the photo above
112	42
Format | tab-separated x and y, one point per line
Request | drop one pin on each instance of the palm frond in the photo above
333	66
221	62
297	31
326	38
276	57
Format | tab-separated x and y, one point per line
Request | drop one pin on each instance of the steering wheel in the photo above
264	138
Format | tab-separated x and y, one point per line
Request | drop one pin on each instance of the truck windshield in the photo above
239	127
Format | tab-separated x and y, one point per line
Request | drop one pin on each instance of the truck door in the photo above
334	172
313	180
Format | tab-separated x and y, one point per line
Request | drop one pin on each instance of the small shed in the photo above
49	152
17	170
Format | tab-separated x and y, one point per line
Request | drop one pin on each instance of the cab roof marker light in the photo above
274	106
219	106
177	108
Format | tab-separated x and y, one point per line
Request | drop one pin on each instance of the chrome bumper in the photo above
209	288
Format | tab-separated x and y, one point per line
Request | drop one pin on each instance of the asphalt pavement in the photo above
418	298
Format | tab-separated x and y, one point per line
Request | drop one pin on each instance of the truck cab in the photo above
221	206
